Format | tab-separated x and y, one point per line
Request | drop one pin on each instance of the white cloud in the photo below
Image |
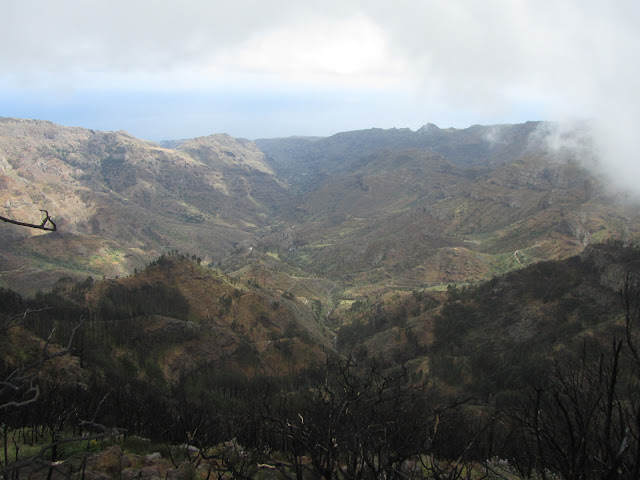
471	52
321	50
455	63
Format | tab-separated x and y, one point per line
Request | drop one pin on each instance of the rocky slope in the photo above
378	208
119	201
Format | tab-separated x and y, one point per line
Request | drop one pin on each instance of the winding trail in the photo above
515	254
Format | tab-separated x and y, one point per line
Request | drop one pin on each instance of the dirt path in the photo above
515	254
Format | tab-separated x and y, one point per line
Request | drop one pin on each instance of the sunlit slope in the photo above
119	201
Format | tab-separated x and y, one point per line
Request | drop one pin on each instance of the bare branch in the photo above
33	390
47	224
21	377
15	320
22	389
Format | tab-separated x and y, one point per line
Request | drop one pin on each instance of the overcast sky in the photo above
165	69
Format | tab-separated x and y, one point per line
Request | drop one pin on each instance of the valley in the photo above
241	290
365	208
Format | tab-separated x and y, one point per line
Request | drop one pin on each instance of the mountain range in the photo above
363	210
215	290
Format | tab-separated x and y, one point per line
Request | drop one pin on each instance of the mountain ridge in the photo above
366	206
473	146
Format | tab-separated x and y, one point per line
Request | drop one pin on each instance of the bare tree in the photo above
360	422
20	388
584	421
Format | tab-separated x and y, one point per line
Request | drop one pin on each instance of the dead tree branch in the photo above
22	380
15	320
47	224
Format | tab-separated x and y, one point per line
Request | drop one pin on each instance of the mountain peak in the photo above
428	128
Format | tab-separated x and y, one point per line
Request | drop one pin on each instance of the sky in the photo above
257	69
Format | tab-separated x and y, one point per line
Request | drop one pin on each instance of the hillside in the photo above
119	201
474	146
188	371
447	298
412	218
183	317
362	211
185	359
489	338
498	336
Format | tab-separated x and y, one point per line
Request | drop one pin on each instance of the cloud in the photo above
473	52
607	148
453	63
494	53
351	50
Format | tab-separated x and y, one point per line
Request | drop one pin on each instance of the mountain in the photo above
412	218
178	318
119	201
322	218
477	145
197	367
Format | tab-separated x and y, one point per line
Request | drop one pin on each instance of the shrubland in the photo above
385	404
